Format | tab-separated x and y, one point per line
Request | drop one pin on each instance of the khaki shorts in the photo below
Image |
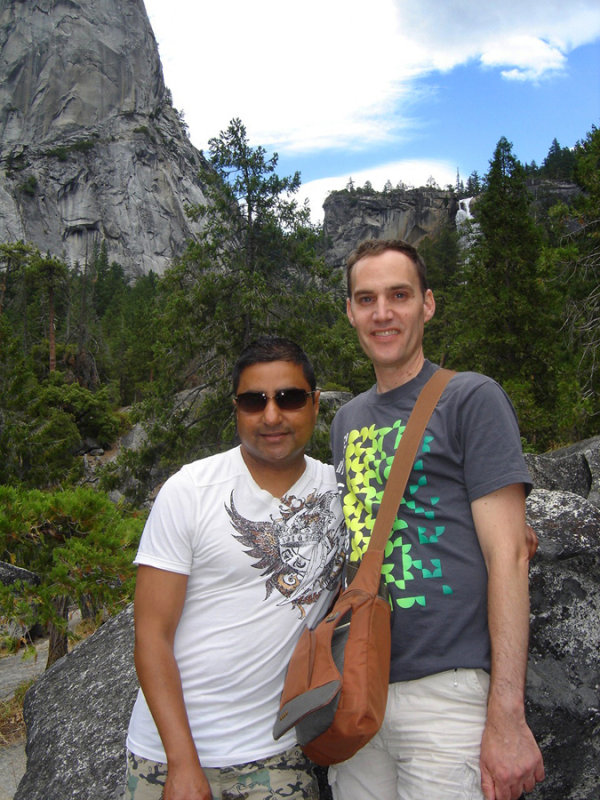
287	775
428	746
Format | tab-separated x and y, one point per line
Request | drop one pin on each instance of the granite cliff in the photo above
91	148
412	214
409	214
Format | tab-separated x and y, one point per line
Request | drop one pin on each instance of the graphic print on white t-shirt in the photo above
298	551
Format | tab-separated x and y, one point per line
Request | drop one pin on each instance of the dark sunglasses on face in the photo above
286	399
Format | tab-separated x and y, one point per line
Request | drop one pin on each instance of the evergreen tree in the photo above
473	186
559	164
504	310
81	547
49	272
575	257
256	269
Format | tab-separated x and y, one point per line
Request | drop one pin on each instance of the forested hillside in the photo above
85	352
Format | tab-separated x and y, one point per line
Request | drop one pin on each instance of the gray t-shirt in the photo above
433	565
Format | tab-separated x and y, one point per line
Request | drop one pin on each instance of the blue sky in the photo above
393	90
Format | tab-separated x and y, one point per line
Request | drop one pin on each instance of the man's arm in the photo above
511	762
159	599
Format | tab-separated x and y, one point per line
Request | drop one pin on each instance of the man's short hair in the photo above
375	247
273	348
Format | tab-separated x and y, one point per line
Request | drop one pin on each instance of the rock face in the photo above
90	146
77	716
77	713
411	214
564	660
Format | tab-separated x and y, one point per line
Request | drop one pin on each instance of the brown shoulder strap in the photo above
405	457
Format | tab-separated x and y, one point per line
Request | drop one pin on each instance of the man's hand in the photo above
511	762
186	783
532	541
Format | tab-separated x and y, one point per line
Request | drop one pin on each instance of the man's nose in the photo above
382	308
272	412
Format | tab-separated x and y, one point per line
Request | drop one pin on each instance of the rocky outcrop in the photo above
77	715
351	216
564	659
78	711
90	146
409	214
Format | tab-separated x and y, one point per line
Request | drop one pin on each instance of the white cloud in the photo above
322	73
533	58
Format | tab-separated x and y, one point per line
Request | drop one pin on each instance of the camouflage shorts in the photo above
287	775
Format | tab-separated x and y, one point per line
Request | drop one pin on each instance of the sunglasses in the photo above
286	399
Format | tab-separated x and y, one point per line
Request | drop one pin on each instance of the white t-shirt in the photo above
260	568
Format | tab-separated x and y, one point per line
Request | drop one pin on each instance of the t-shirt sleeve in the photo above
491	441
167	539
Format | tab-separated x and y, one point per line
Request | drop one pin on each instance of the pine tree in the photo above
49	272
559	164
575	256
505	314
256	269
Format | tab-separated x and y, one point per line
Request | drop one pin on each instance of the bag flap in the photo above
298	707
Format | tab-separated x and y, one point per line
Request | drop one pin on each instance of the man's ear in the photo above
429	304
316	403
349	311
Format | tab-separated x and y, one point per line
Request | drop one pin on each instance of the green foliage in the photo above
44	422
61	152
255	270
29	186
574	257
509	309
500	308
559	164
521	304
79	544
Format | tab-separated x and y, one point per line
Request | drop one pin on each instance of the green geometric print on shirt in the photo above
367	468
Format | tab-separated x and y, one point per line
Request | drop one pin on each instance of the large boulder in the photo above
77	716
569	472
564	657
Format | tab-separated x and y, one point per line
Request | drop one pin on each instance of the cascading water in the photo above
465	224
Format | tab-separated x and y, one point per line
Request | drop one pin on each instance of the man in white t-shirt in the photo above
241	550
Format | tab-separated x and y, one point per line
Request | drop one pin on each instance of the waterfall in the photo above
464	212
465	224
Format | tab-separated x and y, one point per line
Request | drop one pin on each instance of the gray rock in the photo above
563	684
589	449
570	472
91	147
77	716
9	574
411	214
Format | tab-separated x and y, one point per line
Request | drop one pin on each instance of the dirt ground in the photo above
14	670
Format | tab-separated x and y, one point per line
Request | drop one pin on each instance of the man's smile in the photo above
386	332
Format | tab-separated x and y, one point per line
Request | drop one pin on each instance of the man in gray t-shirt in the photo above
456	563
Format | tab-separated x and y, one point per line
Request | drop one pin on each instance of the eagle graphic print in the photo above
297	551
